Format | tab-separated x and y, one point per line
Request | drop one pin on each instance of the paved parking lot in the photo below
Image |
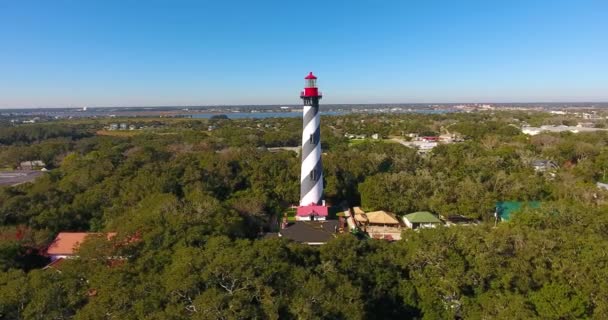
13	178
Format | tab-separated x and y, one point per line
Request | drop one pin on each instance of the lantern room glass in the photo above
311	83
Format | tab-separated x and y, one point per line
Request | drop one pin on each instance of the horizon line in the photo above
287	104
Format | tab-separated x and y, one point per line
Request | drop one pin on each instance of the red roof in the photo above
310	76
312	209
54	264
431	138
66	243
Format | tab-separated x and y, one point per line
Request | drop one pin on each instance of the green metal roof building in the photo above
421	219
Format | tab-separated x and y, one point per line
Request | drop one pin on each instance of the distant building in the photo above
358	210
459	220
574	129
421	220
446	138
355	136
379	225
375	136
66	244
603	186
381	218
32	165
113	126
544	165
430	139
124	126
586	125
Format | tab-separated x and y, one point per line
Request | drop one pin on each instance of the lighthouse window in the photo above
312	138
311	83
313	175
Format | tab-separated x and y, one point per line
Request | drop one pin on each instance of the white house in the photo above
421	220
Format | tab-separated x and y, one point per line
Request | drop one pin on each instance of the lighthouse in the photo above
311	174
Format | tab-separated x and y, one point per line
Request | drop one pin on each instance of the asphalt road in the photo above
13	178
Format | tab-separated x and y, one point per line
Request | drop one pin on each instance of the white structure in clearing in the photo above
574	129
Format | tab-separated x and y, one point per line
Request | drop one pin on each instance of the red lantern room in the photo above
310	88
311	80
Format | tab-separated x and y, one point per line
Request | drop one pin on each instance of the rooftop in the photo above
311	232
543	163
381	217
504	209
66	243
574	129
358	210
459	219
310	76
314	210
421	217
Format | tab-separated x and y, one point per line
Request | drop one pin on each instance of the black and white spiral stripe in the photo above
311	187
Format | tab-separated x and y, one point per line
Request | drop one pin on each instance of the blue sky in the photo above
124	53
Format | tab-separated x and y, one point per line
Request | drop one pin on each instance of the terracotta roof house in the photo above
358	210
66	244
55	264
359	215
311	232
381	218
380	225
361	218
421	219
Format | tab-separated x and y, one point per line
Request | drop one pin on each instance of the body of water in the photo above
260	115
264	115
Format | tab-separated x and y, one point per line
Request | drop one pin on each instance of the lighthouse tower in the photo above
311	179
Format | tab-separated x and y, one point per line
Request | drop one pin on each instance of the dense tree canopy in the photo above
188	199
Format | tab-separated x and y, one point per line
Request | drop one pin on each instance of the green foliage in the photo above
188	204
37	133
558	301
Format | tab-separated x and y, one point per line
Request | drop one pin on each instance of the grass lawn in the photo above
354	142
291	214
